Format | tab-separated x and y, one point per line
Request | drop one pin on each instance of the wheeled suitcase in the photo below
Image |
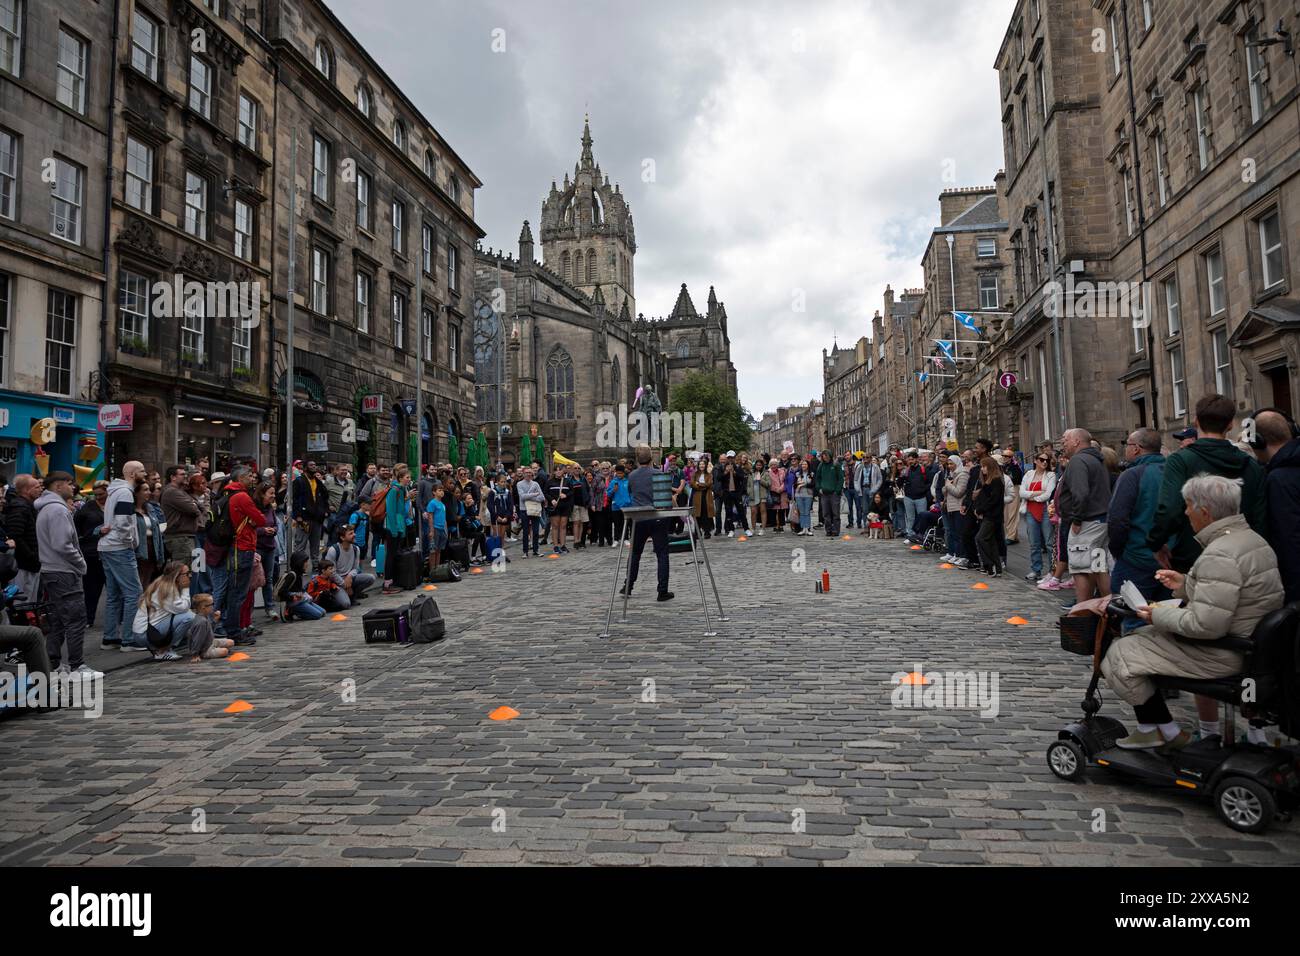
406	572
457	551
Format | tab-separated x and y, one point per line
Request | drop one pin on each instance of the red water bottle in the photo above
826	581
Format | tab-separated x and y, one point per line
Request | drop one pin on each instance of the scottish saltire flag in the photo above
968	320
949	350
923	377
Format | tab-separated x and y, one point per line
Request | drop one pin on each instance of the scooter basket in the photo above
1079	634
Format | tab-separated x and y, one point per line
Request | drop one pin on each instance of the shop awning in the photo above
225	410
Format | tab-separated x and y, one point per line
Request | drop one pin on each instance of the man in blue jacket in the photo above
1132	511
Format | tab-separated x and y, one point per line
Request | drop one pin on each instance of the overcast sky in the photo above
796	146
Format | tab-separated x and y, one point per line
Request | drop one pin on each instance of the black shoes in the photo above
625	589
664	596
245	640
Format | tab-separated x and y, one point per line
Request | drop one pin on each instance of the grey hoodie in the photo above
56	537
119	515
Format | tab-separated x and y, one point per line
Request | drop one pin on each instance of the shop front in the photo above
217	431
75	425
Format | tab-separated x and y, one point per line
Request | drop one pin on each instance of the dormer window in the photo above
324	59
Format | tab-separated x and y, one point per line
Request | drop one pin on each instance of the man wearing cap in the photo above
88	520
62	570
1185	436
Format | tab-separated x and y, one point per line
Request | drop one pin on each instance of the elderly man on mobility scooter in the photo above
1231	587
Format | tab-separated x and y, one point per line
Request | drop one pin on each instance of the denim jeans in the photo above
897	515
911	508
239	571
177	628
805	503
305	609
218	577
122	582
952	526
1042	535
852	507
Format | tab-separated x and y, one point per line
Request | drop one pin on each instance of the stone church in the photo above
555	341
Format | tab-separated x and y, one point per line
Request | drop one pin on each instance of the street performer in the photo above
640	486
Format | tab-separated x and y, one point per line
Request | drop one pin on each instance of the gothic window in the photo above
566	264
559	386
597	209
591	265
683	349
487	371
616	382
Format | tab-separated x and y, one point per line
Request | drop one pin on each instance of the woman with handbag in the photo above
531	502
163	615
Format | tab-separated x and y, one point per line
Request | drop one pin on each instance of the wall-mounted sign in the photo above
1008	379
65	416
372	404
363	435
318	441
116	418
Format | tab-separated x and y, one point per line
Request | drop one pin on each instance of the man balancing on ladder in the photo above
640	485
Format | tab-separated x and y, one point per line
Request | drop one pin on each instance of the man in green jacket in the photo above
830	485
1210	454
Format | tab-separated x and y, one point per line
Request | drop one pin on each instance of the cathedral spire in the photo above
588	160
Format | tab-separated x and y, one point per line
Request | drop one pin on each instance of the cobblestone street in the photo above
774	742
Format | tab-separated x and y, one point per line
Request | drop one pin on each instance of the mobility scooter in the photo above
1251	785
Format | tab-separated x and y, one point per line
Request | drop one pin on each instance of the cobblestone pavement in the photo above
774	742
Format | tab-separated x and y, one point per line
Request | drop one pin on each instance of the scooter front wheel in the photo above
1244	804
1067	760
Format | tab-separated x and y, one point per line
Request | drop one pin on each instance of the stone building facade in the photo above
1171	244
384	235
692	342
195	88
844	393
966	270
55	69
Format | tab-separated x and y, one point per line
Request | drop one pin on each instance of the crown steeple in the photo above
588	160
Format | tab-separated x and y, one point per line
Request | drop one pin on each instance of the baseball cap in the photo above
1185	433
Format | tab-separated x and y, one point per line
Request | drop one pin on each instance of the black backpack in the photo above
221	531
424	621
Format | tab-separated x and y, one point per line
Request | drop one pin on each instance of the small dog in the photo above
878	529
